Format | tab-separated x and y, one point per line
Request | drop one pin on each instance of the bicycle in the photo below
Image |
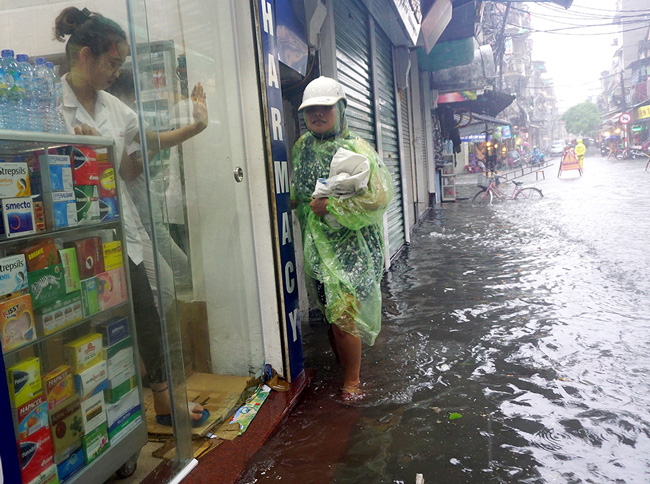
490	190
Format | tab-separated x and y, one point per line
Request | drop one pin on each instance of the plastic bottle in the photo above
31	117
4	99
58	98
15	118
46	101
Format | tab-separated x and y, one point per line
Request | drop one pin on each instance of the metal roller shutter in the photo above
389	136
407	150
353	58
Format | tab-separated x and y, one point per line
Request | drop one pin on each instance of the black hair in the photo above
87	29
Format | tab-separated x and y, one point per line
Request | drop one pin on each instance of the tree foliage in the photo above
582	119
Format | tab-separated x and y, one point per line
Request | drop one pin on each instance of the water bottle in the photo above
46	106
31	117
4	100
16	91
58	98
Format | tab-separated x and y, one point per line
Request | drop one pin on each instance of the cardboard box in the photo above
13	274
35	454
90	256
58	386
24	380
112	252
112	330
46	286
31	417
40	255
109	209
84	352
39	214
54	317
70	269
84	165
111	288
16	322
18	217
67	427
119	356
106	179
60	172
14	180
71	465
93	412
89	296
91	381
120	385
95	443
123	415
87	200
64	209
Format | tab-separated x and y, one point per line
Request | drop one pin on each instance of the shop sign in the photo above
644	112
505	132
280	177
409	20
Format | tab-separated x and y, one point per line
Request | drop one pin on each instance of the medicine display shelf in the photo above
128	446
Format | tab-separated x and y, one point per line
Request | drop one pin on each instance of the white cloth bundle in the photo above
349	174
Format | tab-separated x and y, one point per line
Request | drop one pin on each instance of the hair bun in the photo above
68	21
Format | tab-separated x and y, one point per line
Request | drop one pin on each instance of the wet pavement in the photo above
515	349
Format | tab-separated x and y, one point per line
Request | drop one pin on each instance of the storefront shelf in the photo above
21	141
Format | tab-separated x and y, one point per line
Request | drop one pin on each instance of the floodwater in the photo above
515	349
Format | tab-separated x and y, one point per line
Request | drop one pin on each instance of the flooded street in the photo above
515	348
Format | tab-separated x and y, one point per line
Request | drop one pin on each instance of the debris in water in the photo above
454	416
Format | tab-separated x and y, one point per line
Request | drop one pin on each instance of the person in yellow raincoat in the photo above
342	236
580	151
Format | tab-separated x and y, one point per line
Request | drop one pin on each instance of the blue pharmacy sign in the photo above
280	176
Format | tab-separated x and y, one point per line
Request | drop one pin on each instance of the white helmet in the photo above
323	91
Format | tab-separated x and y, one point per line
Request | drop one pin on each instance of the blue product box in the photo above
113	330
18	216
71	465
64	206
108	209
60	172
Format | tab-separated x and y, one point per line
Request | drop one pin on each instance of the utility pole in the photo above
501	44
624	106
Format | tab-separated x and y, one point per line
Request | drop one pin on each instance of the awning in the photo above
447	54
489	103
638	63
480	124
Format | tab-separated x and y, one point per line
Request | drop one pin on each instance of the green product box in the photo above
120	385
70	269
89	296
53	317
46	286
95	443
119	357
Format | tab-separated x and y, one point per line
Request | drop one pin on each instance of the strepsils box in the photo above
13	274
18	216
14	180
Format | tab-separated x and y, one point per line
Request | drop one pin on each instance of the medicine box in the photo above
89	296
18	216
91	381
72	464
87	200
123	415
120	385
16	322
111	288
93	412
70	269
46	285
64	209
14	180
84	352
60	172
53	317
13	274
48	476
24	380
112	255
108	209
40	254
90	257
58	386
84	165
95	443
67	428
119	356
112	330
31	417
106	179
35	454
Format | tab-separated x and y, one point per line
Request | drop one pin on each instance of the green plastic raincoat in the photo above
346	255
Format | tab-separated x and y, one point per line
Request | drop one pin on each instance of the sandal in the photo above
166	420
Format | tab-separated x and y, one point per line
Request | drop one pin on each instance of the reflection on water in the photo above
529	321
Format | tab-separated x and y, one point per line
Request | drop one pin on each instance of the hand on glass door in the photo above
199	107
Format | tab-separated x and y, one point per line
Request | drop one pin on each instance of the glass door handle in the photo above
239	174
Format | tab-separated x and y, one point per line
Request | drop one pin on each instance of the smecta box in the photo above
64	209
18	216
60	172
14	180
13	274
24	379
16	322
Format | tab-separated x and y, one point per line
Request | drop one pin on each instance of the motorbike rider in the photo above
580	151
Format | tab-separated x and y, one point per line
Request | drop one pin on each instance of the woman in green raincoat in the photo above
342	236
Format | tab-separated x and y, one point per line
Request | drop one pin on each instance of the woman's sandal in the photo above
167	419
